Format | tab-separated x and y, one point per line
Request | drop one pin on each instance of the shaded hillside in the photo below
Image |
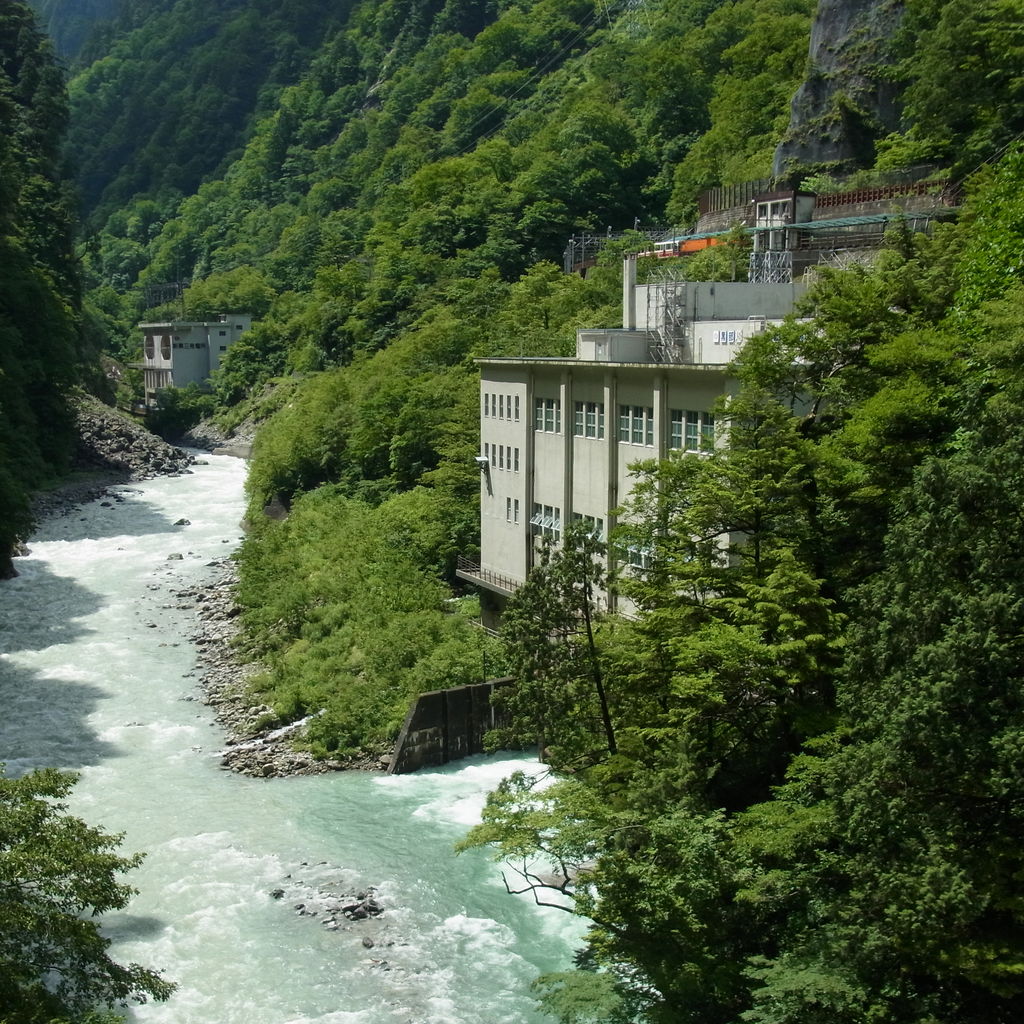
40	342
173	97
69	23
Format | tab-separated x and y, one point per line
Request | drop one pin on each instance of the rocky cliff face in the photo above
846	101
69	22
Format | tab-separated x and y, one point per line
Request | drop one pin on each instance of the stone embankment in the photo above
256	744
111	449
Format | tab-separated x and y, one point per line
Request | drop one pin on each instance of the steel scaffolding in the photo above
666	315
773	266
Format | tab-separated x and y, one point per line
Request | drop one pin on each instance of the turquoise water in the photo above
96	674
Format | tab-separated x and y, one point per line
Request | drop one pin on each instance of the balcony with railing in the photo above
471	572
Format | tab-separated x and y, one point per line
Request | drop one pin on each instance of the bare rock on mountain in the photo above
847	101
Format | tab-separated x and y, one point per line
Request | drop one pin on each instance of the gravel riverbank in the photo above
252	747
114	450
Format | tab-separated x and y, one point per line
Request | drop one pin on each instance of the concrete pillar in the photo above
629	293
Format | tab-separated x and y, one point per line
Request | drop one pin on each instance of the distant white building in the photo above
180	352
557	436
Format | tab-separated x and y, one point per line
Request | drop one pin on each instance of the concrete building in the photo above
558	436
180	352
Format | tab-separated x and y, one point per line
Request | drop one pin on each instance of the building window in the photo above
516	417
494	456
501	456
692	438
487	451
487	403
589	419
515	510
547	415
707	430
223	348
546	521
508	510
165	347
515	459
595	524
638	557
150	347
223	334
690	430
636	424
501	407
675	429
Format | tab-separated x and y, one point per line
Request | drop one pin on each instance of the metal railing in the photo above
465	568
944	193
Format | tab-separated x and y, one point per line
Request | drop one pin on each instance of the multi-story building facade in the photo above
559	436
180	352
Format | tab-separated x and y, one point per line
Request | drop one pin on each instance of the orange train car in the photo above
681	246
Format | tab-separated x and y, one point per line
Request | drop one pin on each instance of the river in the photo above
96	675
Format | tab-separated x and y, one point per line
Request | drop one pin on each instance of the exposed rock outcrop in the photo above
211	438
112	442
846	102
111	449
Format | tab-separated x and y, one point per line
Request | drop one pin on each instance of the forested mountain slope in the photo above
394	181
40	303
811	807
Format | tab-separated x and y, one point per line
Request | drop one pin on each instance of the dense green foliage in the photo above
376	462
963	70
813	808
39	294
352	625
395	178
792	784
386	202
423	146
56	874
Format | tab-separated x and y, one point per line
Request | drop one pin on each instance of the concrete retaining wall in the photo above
446	725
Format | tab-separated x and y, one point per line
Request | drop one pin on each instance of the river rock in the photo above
109	440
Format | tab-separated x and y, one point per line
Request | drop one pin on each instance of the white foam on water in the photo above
87	683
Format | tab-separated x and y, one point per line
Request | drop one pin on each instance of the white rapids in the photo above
96	675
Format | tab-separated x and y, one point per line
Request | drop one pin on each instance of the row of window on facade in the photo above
501	407
165	347
546	522
688	429
502	456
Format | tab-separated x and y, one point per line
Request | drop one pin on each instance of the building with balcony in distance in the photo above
558	435
180	352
